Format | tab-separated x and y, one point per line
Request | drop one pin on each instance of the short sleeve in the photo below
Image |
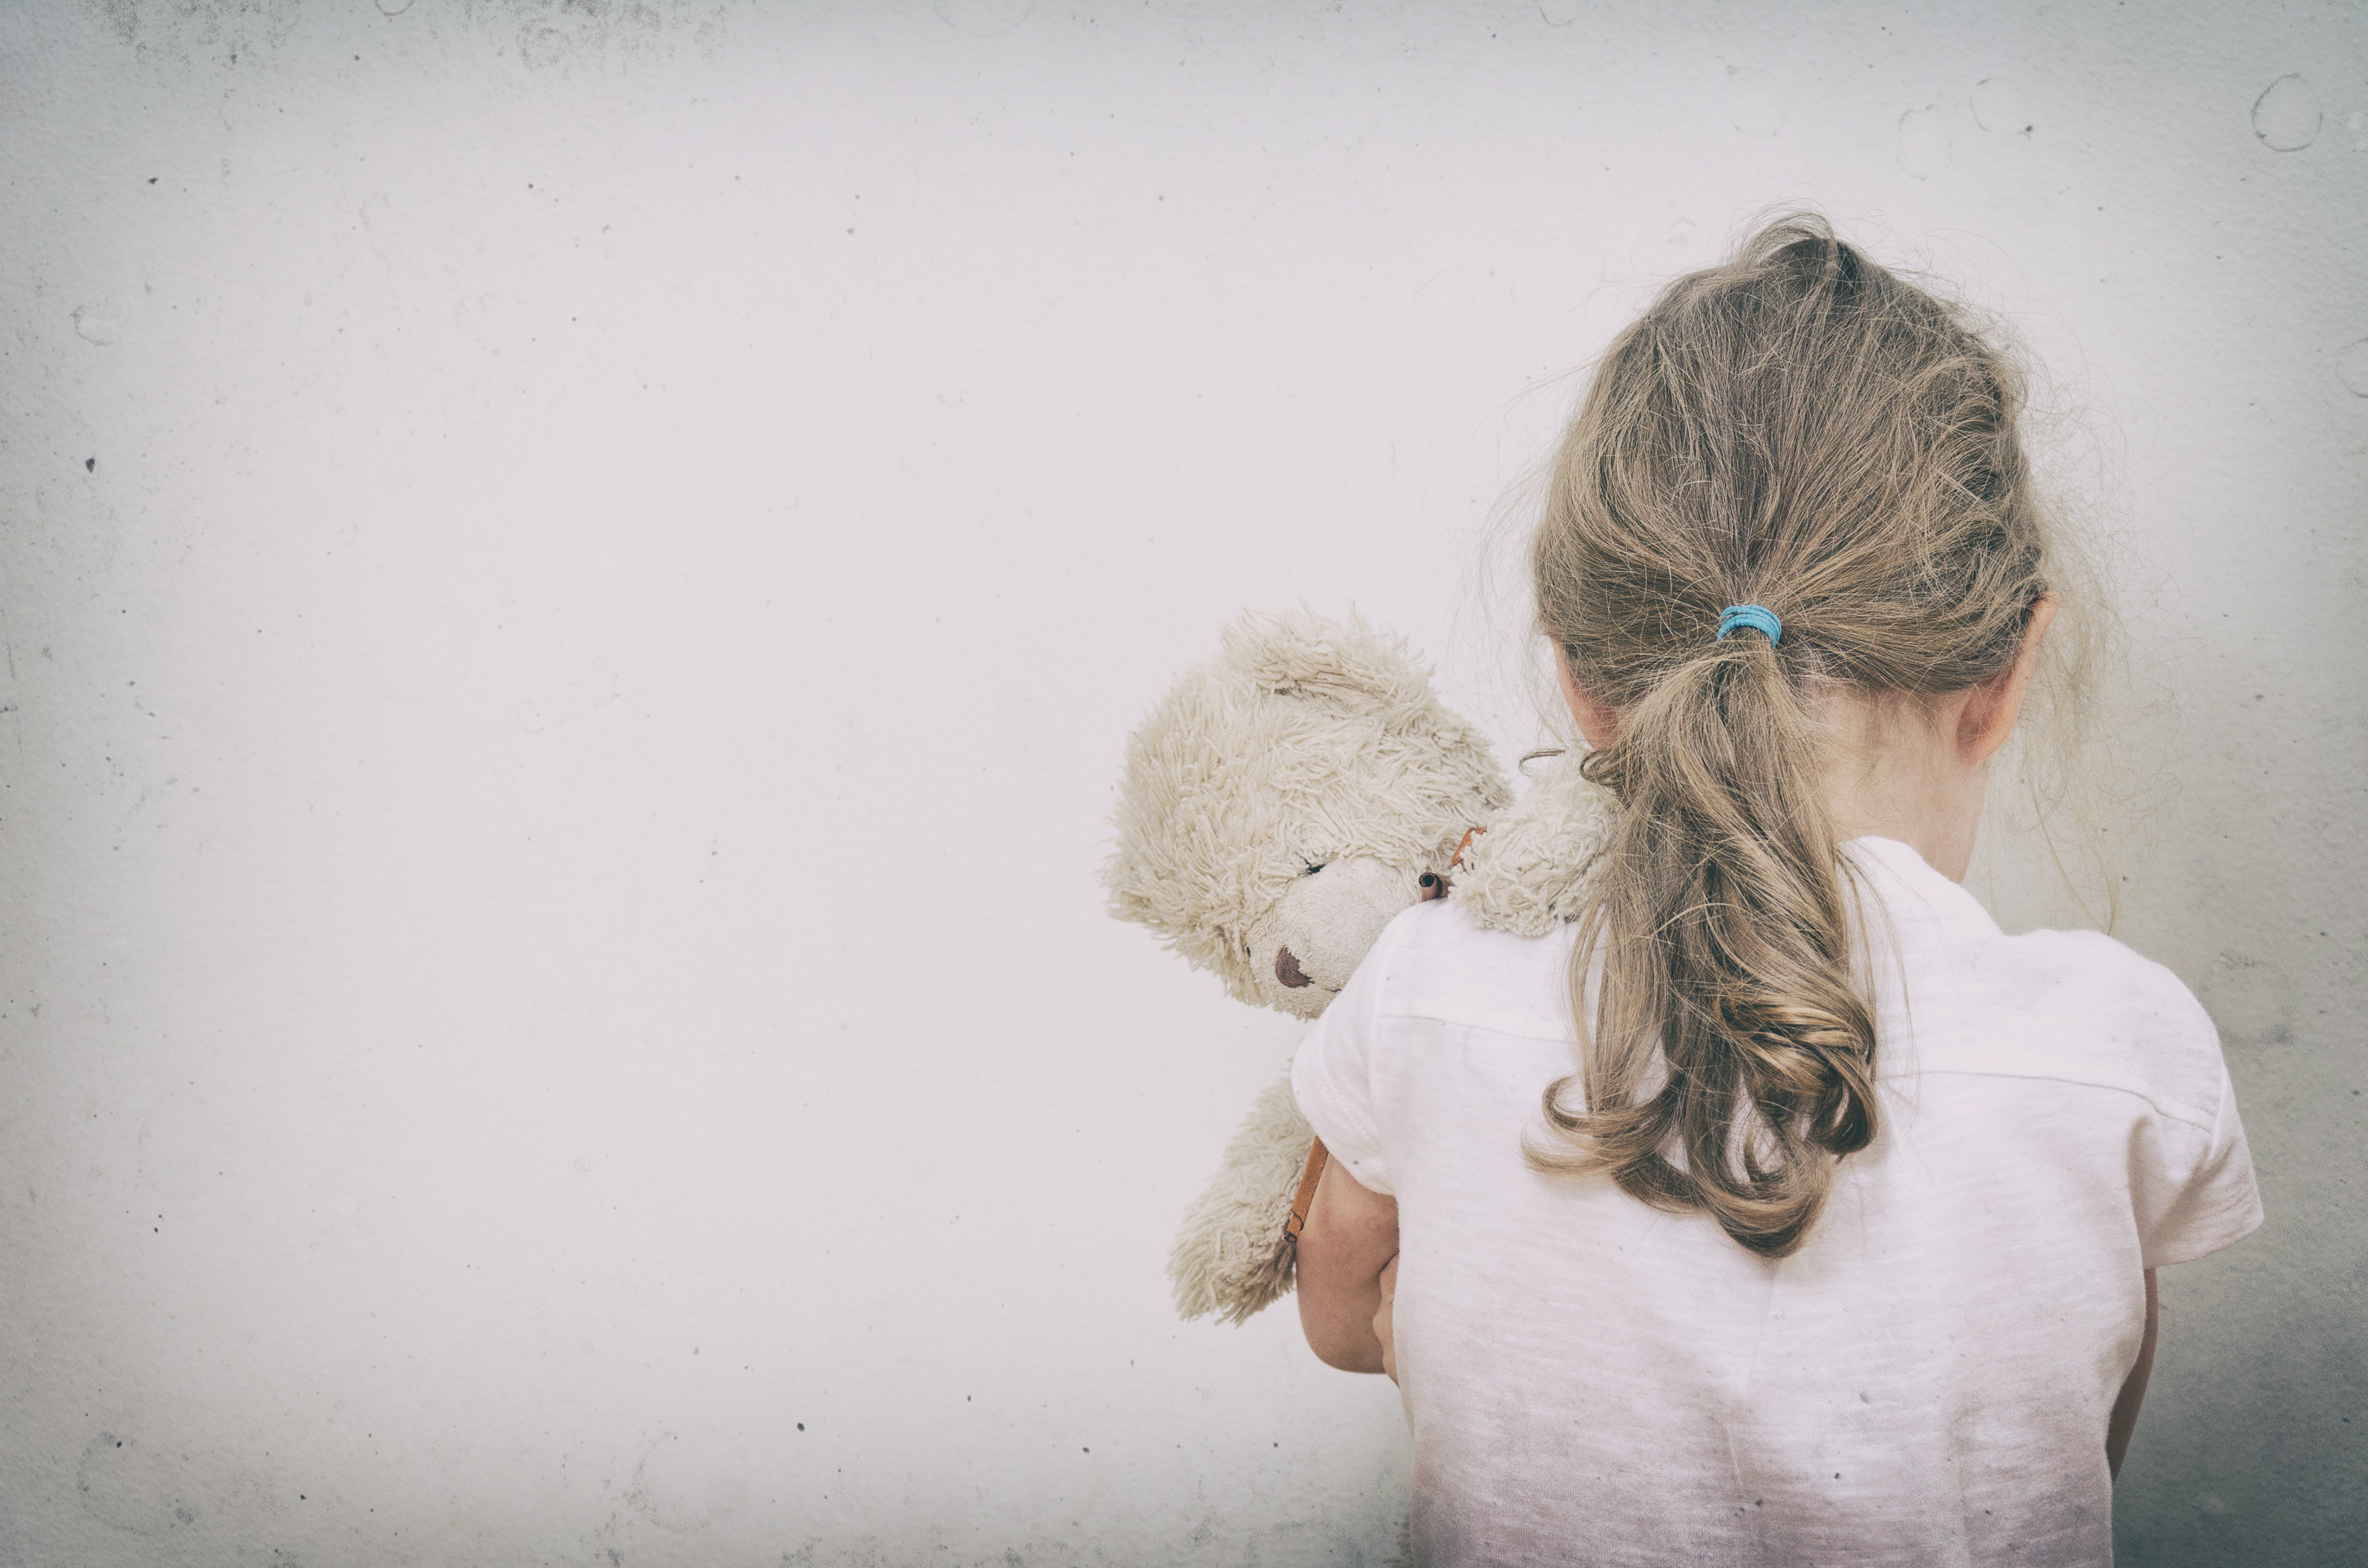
2203	1197
1332	1076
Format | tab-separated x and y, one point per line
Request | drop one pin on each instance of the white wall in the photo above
575	576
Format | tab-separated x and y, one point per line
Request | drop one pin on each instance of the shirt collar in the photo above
1910	888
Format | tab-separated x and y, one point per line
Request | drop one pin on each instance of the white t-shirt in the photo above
1926	1381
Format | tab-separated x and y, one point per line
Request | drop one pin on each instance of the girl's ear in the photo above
1598	724
1989	715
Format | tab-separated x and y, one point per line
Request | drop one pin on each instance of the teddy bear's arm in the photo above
1230	1258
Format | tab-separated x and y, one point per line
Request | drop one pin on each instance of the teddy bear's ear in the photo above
1296	652
1194	827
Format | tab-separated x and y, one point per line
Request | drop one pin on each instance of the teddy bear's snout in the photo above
1319	930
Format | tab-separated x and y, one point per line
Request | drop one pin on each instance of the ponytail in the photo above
1800	429
1732	954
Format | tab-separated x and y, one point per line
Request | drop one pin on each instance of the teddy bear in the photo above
1281	804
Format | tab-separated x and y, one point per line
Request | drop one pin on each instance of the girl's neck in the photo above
1895	770
1896	765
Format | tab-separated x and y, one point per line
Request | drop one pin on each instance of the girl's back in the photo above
1925	1381
1780	1210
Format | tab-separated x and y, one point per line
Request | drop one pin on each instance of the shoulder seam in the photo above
2184	1118
1557	1037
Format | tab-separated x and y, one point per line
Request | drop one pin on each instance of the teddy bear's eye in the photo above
1314	867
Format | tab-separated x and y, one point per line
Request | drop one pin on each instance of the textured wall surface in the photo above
572	577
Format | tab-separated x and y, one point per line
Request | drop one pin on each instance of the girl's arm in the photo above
2125	1419
1350	1236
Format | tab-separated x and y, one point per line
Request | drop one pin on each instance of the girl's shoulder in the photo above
1957	994
2074	1005
2097	1007
1439	962
1942	916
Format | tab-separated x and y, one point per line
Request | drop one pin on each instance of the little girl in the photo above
1838	1246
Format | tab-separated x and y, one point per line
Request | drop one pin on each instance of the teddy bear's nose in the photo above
1287	969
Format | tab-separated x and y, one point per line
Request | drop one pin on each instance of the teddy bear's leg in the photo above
1230	1258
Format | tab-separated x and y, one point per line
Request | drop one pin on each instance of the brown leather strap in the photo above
1465	843
1305	1202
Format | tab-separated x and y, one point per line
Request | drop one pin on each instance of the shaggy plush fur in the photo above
1303	742
1278	809
1230	1259
1528	872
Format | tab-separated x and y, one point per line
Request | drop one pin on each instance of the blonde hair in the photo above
1802	429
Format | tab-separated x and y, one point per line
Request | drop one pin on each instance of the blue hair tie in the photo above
1758	618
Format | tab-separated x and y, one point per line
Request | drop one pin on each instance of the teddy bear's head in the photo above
1286	799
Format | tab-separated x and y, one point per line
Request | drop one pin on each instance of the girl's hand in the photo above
1382	1318
2123	1422
1350	1236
